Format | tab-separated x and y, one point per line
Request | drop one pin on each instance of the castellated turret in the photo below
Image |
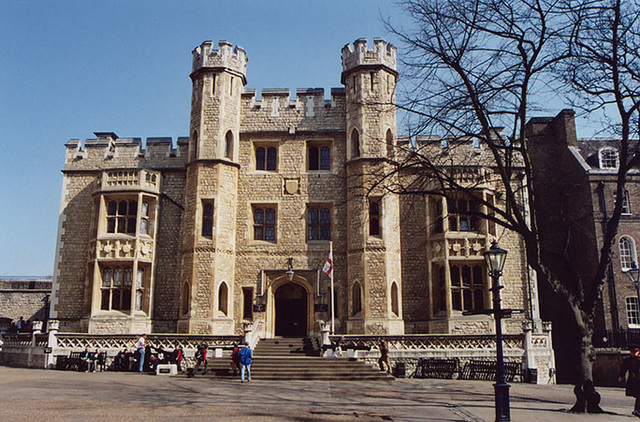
357	55
373	249
224	58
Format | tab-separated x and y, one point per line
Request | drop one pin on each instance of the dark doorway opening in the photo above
291	311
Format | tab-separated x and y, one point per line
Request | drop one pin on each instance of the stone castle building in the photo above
235	223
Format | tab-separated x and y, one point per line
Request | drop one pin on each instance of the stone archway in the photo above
291	310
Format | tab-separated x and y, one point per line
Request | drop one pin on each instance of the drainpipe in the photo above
613	294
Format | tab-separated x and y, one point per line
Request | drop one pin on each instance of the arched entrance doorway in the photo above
291	311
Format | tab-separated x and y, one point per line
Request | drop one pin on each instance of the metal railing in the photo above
616	338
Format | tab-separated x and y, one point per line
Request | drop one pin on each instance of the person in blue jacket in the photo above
245	361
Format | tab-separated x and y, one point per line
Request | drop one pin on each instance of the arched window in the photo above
395	300
356	298
207	218
261	162
608	158
627	253
355	143
228	145
194	145
223	295
374	217
184	304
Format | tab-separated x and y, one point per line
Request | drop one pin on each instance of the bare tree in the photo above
475	66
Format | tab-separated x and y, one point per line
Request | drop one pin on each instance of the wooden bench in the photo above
436	368
73	362
486	370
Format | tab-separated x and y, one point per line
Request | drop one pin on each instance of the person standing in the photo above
337	352
384	355
245	361
631	365
141	344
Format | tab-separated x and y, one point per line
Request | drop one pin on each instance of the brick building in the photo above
199	238
578	177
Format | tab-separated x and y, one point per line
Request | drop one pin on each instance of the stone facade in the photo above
199	238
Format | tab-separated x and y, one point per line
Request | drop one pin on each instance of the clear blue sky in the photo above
71	68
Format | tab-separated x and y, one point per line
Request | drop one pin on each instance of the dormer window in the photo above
608	159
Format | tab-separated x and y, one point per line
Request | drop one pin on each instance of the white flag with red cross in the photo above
328	266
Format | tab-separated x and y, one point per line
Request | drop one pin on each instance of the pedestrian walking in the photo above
245	361
178	357
631	366
384	355
235	360
141	344
201	359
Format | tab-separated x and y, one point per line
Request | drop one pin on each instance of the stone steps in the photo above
285	359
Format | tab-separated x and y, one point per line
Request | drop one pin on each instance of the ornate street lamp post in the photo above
495	259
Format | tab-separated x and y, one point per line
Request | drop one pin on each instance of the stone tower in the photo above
373	241
209	224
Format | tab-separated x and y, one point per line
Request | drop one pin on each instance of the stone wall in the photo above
23	297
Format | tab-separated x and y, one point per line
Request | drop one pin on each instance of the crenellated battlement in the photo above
109	151
302	96
357	54
225	57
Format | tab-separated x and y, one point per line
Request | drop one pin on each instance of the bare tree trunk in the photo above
587	398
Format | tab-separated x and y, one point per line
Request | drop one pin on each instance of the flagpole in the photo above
333	296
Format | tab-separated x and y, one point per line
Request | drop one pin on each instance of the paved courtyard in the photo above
39	395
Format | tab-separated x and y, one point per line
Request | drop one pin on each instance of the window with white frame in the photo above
627	253
608	158
626	205
633	312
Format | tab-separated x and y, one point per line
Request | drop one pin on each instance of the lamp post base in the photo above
502	402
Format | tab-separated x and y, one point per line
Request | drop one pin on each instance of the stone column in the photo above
529	359
52	342
248	331
325	328
546	329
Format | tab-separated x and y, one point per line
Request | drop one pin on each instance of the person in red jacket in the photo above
631	365
177	357
235	360
201	358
